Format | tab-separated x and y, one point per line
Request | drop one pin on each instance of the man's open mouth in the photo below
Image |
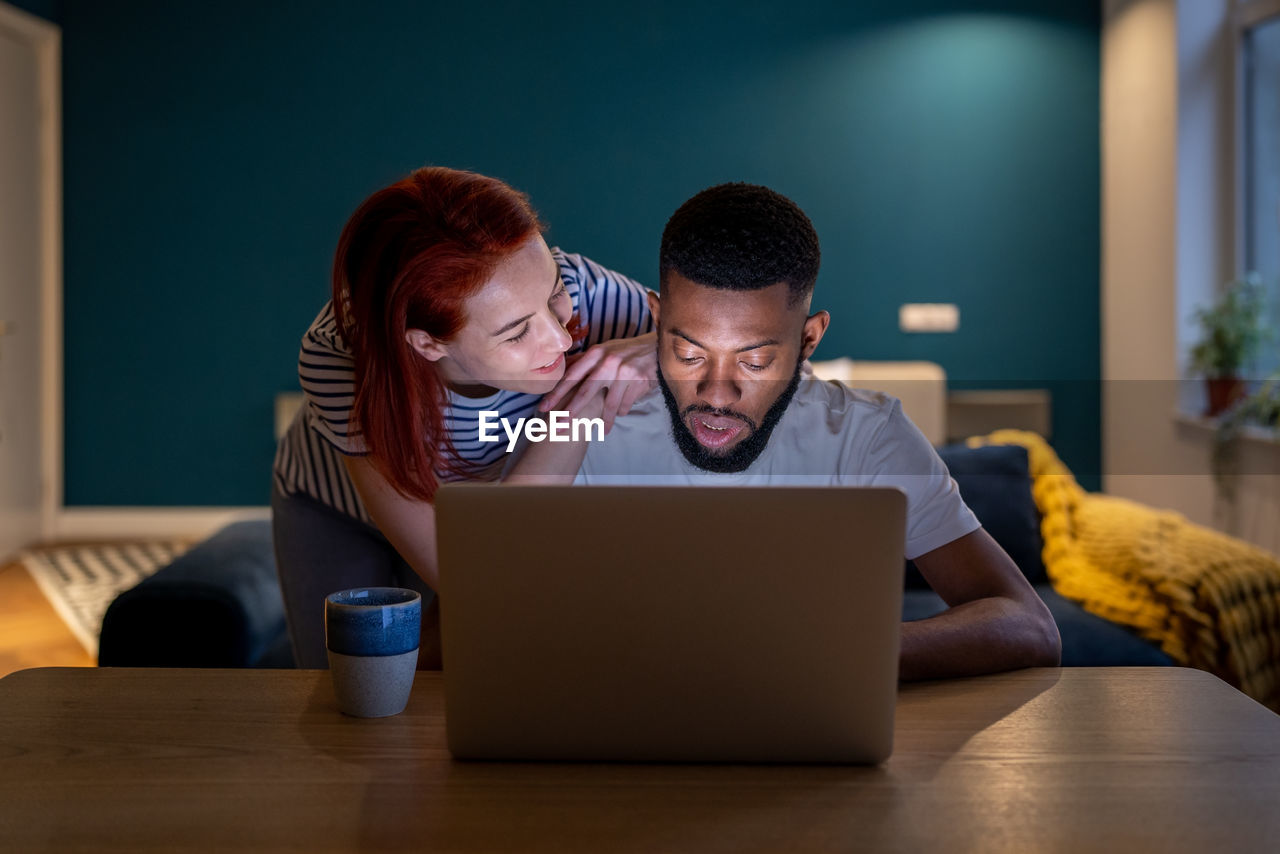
715	431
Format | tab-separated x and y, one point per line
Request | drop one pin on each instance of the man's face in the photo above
728	363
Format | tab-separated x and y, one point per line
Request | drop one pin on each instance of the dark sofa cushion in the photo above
995	481
1087	639
217	605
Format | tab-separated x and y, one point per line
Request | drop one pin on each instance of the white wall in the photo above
19	293
30	277
1167	244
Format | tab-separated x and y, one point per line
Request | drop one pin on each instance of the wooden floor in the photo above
31	632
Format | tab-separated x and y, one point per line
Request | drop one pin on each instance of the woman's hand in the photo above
619	372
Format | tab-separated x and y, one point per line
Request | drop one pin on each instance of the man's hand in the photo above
618	372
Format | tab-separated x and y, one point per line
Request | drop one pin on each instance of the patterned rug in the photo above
81	581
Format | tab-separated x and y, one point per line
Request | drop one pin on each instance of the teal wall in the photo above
946	151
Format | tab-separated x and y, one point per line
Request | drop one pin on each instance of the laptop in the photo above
670	624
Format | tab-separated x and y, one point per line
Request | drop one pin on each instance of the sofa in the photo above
216	605
995	481
219	604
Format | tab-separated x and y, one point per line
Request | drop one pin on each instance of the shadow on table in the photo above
946	715
415	794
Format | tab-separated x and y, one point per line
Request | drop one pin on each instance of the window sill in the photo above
1208	426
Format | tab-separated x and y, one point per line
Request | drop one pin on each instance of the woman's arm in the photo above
408	524
601	382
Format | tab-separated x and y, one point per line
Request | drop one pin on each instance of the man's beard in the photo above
742	454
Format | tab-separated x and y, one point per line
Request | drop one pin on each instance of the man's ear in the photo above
428	347
815	326
655	303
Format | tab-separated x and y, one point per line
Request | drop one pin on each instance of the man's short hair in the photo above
741	237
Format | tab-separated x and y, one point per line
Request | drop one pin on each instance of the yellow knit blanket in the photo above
1209	600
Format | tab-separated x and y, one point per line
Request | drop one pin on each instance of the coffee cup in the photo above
372	635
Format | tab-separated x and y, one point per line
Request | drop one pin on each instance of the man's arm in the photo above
995	620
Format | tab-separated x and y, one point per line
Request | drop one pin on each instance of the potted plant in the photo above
1231	331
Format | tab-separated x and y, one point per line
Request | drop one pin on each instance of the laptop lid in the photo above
670	623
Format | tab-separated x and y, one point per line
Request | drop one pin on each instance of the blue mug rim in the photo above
411	596
361	621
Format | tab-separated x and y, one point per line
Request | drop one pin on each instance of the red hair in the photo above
408	258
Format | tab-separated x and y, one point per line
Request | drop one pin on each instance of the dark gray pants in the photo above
320	550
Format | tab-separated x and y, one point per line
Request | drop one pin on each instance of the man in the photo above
735	407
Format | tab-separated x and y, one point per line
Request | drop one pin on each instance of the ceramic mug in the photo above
372	634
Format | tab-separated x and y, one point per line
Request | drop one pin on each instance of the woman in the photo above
446	301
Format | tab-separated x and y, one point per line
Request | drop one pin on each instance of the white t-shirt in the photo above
830	435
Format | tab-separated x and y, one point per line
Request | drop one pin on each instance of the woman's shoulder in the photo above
323	335
580	270
608	304
574	267
565	259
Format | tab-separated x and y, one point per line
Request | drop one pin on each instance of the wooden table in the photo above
1119	759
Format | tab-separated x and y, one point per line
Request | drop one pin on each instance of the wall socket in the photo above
929	317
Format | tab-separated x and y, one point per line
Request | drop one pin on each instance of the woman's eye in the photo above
516	339
562	292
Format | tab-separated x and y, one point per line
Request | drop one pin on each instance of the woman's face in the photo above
514	336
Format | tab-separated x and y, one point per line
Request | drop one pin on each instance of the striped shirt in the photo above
309	457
